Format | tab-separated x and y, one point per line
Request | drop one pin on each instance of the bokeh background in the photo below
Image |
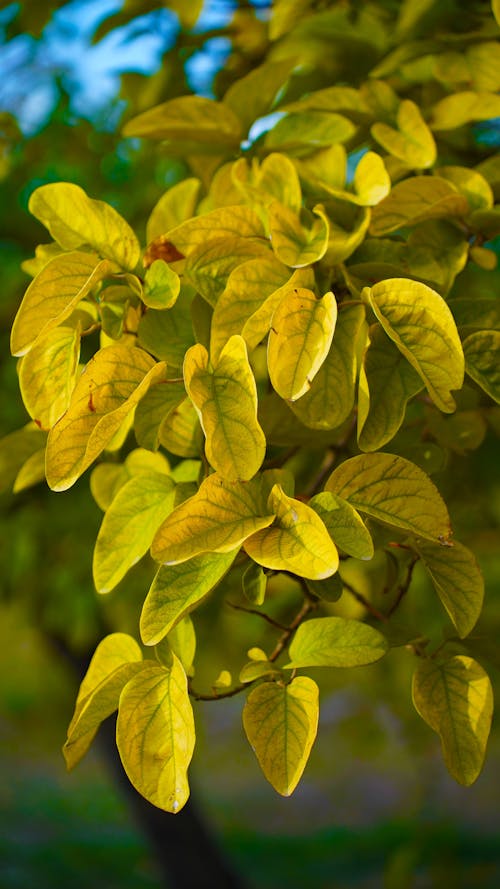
376	806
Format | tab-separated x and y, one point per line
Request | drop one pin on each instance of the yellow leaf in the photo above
335	642
218	518
413	142
301	132
155	734
107	392
253	95
294	243
297	541
464	107
223	223
274	179
344	525
177	589
455	698
161	286
182	641
173	208
74	219
31	472
281	722
421	325
15	449
192	119
54	294
348	227
330	399
415	200
225	398
458	582
299	341
208	266
48	373
482	354
495	6
129	525
258	324
393	491
154	408
474	187
180	431
371	180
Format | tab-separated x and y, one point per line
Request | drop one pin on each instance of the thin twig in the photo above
270	620
363	601
404	587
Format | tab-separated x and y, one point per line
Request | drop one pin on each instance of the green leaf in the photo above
155	734
168	335
482	361
73	219
335	642
281	722
48	373
294	243
174	207
116	659
208	266
299	341
302	132
393	491
495	6
182	641
421	325
387	382
129	525
348	227
275	178
53	294
31	472
15	449
330	589
112	384
413	142
330	399
471	184
192	119
458	582
217	519
416	200
455	698
297	541
154	408
253	95
225	397
220	224
106	479
464	107
178	589
180	432
254	583
258	670
344	525
161	286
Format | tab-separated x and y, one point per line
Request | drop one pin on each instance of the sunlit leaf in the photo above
182	641
463	107
301	132
161	286
48	373
455	698
192	119
335	642
345	526
412	142
482	360
294	243
174	207
274	179
458	582
209	265
223	223
258	324
415	200
371	180
281	722
252	96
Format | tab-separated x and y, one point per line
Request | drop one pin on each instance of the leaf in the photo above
73	219
180	431
371	180
15	449
223	223
110	387
253	95
455	698
471	184
254	582
174	207
48	373
458	582
53	294
393	491
335	642
182	641
330	399
421	325
192	119
168	335
31	472
416	200
301	132
258	670
161	286
155	734
330	589
275	178
464	107
158	402
348	227
178	589
299	341
115	660
129	525
495	6
297	541
413	142
344	525
281	722
257	326
295	244
217	519
207	268
482	354
387	382
225	398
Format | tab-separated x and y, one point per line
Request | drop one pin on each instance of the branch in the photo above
363	601
270	620
404	587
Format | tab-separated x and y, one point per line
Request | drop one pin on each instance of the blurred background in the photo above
376	806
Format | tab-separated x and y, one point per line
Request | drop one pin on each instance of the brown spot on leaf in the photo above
161	248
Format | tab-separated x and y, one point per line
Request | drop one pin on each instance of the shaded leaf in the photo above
482	361
253	95
458	582
193	119
344	525
161	286
301	132
254	583
15	449
154	408
168	335
274	179
335	642
294	243
415	200
413	142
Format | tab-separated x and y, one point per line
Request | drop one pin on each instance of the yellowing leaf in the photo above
155	407
301	132
161	286
223	223
344	525
348	227
180	432
463	107
371	180
177	589
252	96
129	525
415	200
299	341
495	5
413	142
31	472
15	449
458	582
254	582
274	179
296	244
471	184
174	207
182	641
73	219
218	518
335	642
281	722
207	268
298	540
455	698
387	381
421	325
115	660
393	491
482	361
225	398
112	384
258	324
192	119
155	734
47	375
330	399
53	294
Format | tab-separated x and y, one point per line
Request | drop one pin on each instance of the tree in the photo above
308	334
